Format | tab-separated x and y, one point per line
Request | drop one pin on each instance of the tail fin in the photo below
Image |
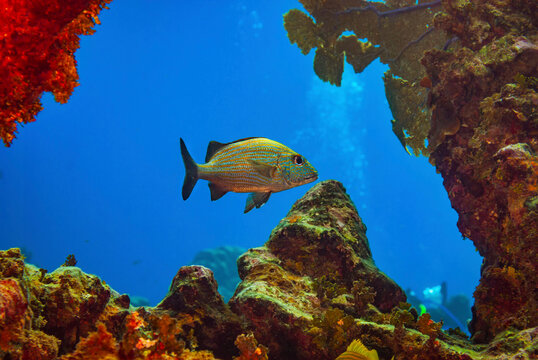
191	171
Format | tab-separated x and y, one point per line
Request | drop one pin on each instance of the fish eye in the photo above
298	159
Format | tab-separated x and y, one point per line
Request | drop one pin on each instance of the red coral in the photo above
13	312
38	39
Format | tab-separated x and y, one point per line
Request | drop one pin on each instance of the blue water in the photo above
100	177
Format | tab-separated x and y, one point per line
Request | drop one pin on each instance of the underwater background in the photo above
100	176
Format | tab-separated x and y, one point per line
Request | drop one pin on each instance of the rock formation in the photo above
307	293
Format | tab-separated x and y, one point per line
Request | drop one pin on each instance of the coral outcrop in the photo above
222	262
307	293
475	97
312	262
70	315
39	39
484	92
194	292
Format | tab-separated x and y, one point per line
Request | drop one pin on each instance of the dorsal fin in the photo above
212	148
215	146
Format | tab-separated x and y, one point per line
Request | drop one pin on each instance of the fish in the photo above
255	165
357	351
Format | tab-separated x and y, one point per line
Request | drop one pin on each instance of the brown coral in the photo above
488	160
476	101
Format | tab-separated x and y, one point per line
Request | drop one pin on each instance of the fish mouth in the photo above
311	178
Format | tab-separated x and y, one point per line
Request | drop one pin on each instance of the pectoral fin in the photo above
256	200
263	169
216	191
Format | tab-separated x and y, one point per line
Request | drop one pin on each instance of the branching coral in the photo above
39	39
382	25
70	260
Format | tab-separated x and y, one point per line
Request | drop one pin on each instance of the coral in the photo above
465	78
39	39
99	345
362	295
70	261
250	349
331	331
75	315
284	289
17	339
430	328
484	142
222	261
380	23
193	292
296	310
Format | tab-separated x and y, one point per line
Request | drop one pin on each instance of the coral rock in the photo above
313	256
484	141
72	303
222	261
194	292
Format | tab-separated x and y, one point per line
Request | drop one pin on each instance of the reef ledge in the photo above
306	294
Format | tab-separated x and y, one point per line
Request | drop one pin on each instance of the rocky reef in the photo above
485	91
222	261
306	294
462	87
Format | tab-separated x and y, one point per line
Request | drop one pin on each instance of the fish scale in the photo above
257	165
233	166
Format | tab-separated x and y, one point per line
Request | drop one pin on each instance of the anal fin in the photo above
216	191
256	199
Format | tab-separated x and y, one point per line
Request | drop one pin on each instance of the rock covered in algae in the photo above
18	338
222	261
485	135
70	315
476	100
310	263
71	302
291	308
194	291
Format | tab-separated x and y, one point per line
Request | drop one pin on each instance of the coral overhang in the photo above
475	100
38	40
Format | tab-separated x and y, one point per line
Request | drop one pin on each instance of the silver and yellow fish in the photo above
256	165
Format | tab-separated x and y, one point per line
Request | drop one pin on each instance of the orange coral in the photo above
250	349
39	39
134	321
98	345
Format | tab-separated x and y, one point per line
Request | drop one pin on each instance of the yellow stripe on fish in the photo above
259	166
